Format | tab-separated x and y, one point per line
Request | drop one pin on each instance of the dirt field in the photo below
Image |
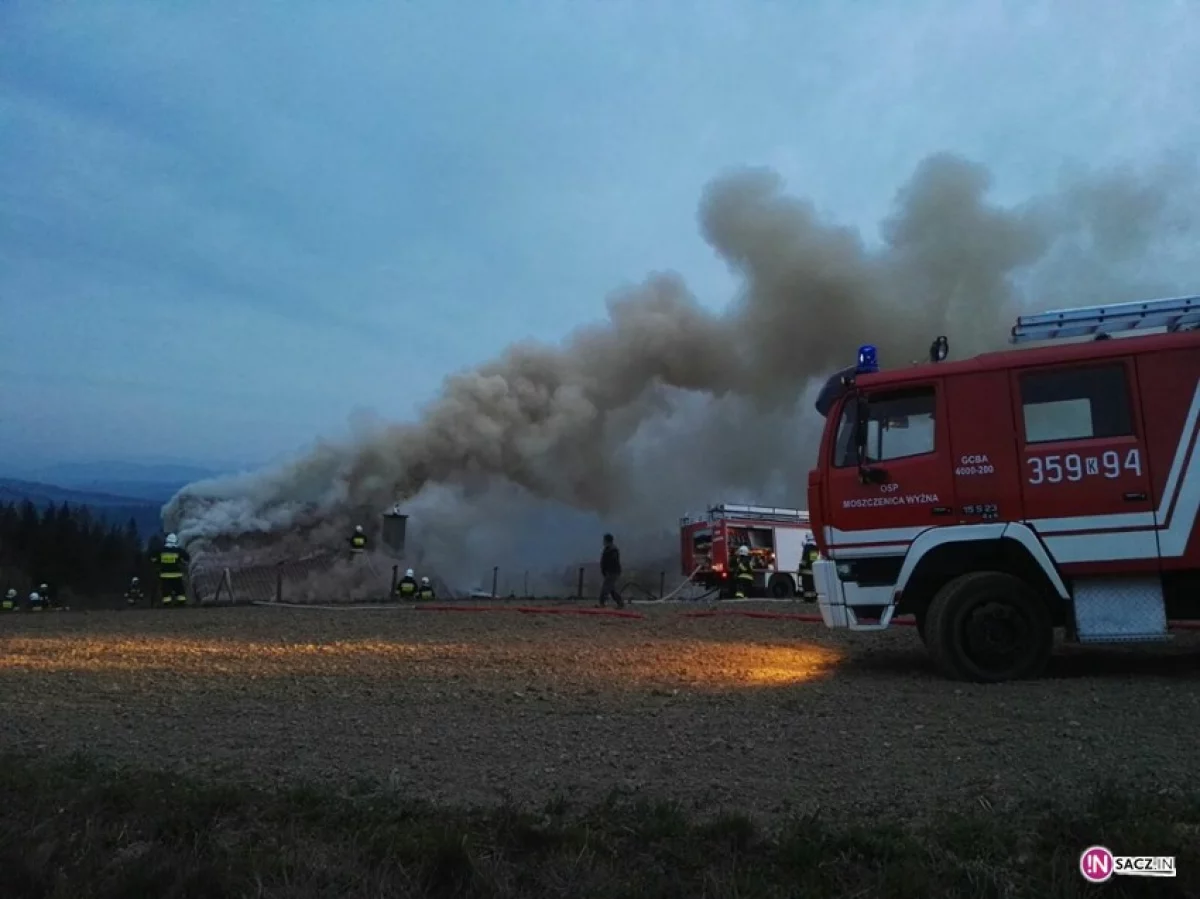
762	716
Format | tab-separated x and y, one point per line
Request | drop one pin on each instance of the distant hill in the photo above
131	480
114	508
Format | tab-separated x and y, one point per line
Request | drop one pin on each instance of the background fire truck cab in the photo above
999	497
776	538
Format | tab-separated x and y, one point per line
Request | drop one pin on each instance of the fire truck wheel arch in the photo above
940	554
971	603
984	538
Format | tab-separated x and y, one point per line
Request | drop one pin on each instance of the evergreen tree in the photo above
68	548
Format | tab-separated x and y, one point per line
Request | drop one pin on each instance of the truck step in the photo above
1120	610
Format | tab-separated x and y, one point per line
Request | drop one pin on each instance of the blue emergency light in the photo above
867	360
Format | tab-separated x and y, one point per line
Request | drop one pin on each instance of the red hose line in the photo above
706	613
531	610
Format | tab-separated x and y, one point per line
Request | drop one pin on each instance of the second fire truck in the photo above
776	538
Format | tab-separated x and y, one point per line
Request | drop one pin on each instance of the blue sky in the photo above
227	228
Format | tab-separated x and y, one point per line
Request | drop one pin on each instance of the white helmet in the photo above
425	581
172	540
11	594
43	588
33	597
408	573
358	529
133	581
743	551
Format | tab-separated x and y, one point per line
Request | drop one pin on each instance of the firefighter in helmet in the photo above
35	602
134	594
172	562
9	603
743	573
44	593
406	587
808	556
358	542
425	591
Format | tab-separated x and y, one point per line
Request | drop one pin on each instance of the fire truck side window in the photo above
1077	403
900	424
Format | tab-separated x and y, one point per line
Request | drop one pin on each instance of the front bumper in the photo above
839	600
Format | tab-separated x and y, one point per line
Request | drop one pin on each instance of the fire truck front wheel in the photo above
988	627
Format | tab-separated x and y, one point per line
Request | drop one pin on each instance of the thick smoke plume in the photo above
668	405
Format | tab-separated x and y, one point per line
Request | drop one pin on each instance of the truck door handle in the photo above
1134	497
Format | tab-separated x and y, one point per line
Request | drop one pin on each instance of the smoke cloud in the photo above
667	406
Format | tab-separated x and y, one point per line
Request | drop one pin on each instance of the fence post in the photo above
395	580
495	576
579	592
279	583
525	592
662	584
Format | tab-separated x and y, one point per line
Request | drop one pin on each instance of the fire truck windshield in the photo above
899	424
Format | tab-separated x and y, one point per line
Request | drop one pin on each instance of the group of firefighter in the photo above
407	587
36	601
171	562
742	569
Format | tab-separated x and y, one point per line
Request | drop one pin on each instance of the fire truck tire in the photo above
781	587
989	627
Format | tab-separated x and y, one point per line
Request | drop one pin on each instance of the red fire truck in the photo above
776	538
1000	497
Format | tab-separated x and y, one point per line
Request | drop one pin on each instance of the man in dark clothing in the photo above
610	570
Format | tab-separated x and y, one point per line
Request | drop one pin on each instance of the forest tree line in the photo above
71	549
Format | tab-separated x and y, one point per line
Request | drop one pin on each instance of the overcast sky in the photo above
225	227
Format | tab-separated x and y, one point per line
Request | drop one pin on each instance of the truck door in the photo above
1169	387
1085	481
908	441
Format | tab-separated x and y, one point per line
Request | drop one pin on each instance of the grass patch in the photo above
77	830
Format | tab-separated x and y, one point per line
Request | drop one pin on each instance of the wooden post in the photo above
279	583
495	576
662	584
395	580
579	594
525	593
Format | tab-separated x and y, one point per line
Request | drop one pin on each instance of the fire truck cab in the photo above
1003	496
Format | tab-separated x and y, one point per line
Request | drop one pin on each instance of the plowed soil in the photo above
769	717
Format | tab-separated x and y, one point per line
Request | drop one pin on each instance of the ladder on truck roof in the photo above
733	512
1172	314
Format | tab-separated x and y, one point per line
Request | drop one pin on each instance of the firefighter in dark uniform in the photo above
172	562
406	587
134	594
743	573
426	592
9	603
44	593
358	542
809	555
